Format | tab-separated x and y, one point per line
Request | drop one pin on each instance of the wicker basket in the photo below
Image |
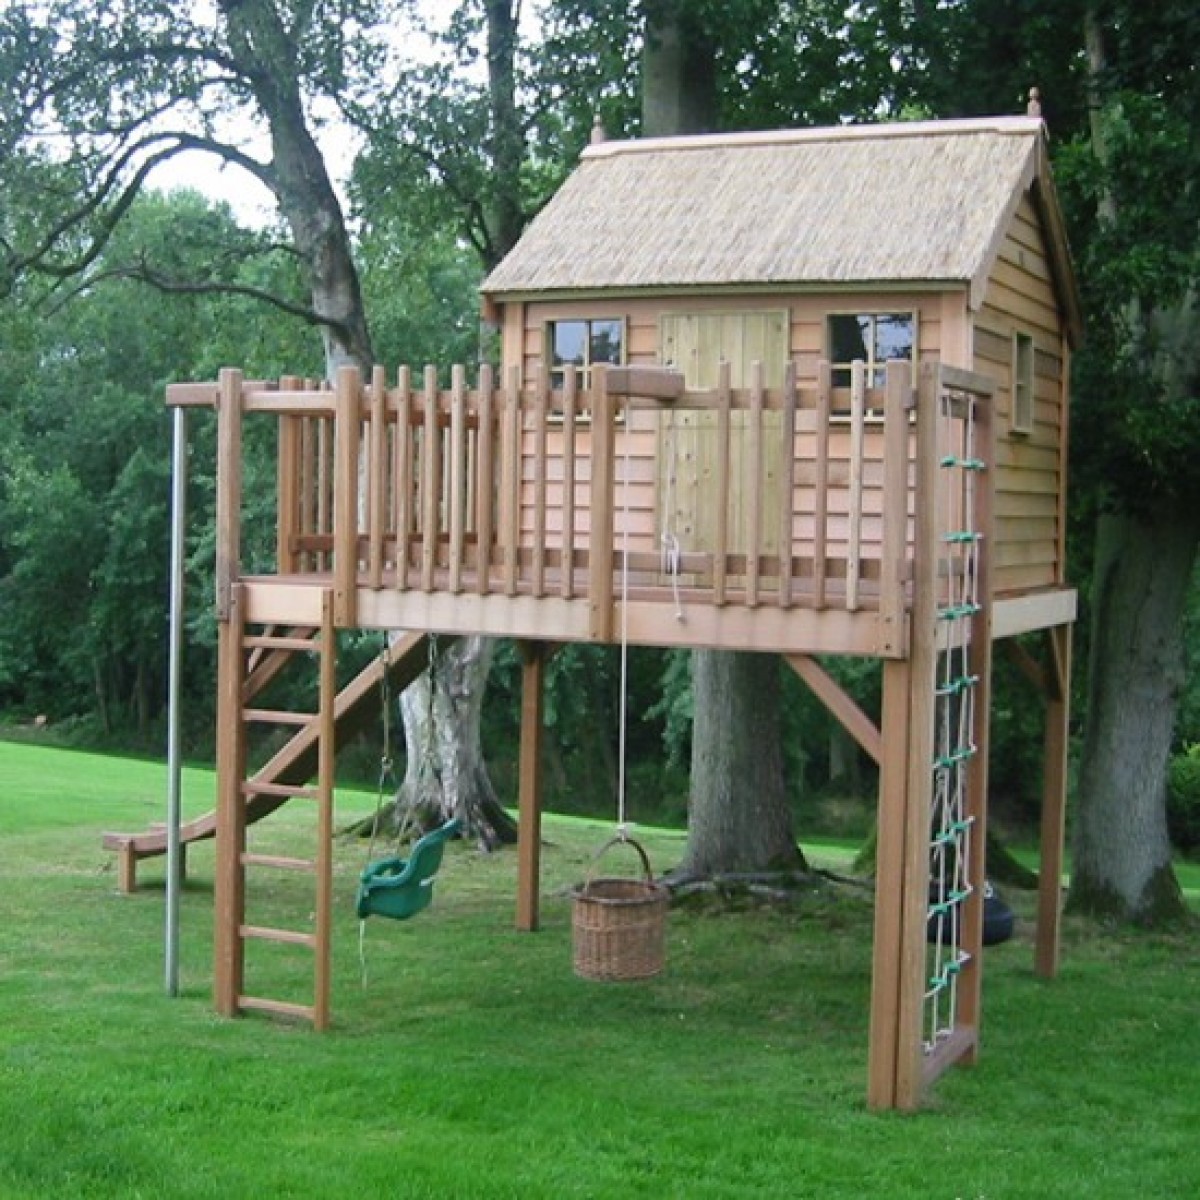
619	925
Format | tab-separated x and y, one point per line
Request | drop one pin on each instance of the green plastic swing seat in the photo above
401	887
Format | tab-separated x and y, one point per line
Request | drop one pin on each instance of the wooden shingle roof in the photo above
924	202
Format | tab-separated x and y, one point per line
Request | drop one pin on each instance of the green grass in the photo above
474	1064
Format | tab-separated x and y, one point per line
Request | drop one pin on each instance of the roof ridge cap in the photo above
1012	125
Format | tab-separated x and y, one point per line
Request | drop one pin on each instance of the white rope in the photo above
622	826
672	553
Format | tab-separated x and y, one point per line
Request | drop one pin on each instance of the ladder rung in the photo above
278	860
276	716
293	937
280	1008
274	641
287	790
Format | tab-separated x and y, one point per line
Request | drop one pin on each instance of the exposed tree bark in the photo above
739	818
268	54
1122	856
1146	548
679	70
445	775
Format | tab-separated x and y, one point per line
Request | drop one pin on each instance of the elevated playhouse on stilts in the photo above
802	393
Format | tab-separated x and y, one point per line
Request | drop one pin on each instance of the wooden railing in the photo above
798	498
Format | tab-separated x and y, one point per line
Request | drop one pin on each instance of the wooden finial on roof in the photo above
1034	107
598	133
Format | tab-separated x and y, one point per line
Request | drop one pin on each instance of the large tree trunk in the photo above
1122	858
269	54
679	70
445	774
739	819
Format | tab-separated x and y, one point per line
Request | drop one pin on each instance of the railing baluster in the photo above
458	482
431	490
570	401
485	498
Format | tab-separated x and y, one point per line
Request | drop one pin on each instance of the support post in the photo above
229	884
601	501
348	437
326	762
889	882
1054	802
914	890
229	487
529	827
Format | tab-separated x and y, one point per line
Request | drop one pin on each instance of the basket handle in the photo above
618	839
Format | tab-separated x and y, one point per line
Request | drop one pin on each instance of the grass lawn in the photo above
473	1063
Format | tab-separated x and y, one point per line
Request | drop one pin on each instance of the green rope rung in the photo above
941	907
962	537
953	758
951	832
957	611
941	980
966	464
957	686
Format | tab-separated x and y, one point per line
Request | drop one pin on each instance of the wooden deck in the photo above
529	513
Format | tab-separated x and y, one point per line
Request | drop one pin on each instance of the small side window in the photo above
1022	383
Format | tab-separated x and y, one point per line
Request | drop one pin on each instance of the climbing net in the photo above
959	551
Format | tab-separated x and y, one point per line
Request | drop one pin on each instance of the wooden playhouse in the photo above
801	393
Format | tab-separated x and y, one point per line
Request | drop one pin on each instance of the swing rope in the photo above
622	734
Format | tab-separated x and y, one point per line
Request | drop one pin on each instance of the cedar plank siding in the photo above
1030	482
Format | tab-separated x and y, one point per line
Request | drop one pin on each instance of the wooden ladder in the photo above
246	661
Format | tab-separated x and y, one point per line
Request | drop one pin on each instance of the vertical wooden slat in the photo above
308	488
229	488
721	490
288	482
914	892
458	481
324	482
1054	802
570	400
376	479
821	498
485	493
402	475
541	405
431	484
752	482
600	503
858	413
529	825
326	762
979	660
787	484
895	509
229	881
345	501
511	480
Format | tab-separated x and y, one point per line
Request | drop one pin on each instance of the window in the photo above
874	338
580	343
1022	388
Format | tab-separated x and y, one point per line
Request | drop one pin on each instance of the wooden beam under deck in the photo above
767	628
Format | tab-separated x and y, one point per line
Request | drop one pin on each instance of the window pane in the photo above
568	341
606	342
893	336
848	337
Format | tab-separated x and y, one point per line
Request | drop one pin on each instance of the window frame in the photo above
1023	398
583	372
873	365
